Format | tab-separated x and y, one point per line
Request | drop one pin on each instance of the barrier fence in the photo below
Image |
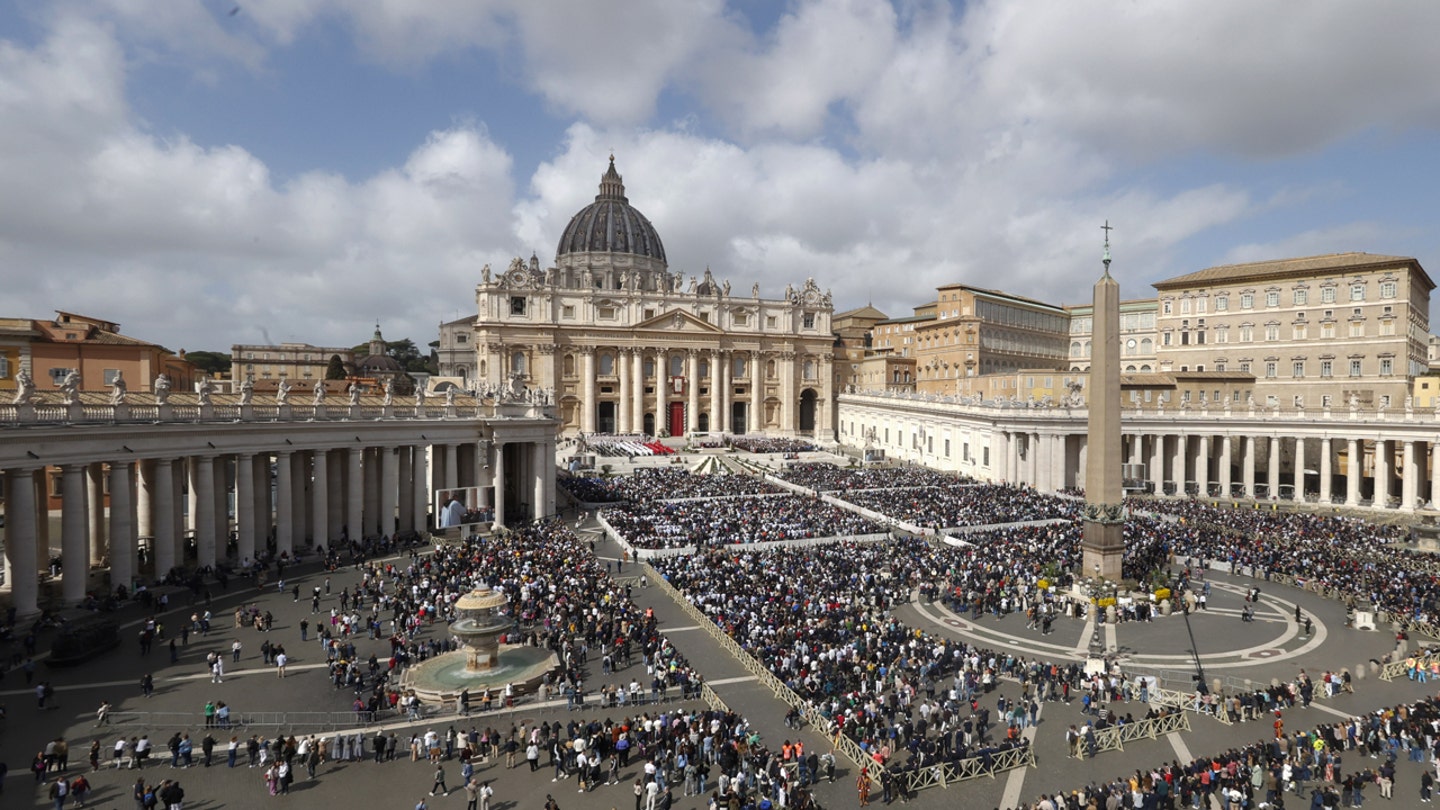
1398	669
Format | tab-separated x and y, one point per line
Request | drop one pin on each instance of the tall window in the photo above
1222	303
1272	331
1388	289
1355	368
517	363
1297	368
1301	297
1326	368
1357	292
1327	295
1247	300
607	364
1387	366
1272	298
517	305
1272	368
738	368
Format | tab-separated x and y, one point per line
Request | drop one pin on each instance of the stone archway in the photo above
809	401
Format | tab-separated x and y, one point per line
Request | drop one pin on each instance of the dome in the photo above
611	225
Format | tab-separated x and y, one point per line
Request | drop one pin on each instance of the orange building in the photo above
91	346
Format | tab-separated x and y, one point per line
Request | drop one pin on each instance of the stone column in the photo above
372	492
1248	474
299	467
757	392
22	565
419	495
637	392
1157	463
692	387
319	498
355	493
1434	474
122	529
1272	469
499	483
538	462
43	551
144	488
163	498
1381	490
588	402
623	410
1032	475
202	486
662	392
284	503
405	517
389	490
1408	481
788	422
1352	472
1202	466
452	466
1327	485
245	523
221	490
717	387
1226	478
1179	462
335	489
1059	461
73	541
95	509
1299	476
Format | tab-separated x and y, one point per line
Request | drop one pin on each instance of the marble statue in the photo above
485	274
70	388
755	290
354	391
317	397
25	389
726	288
691	290
1354	402
162	389
117	389
420	396
282	392
203	391
450	397
389	390
247	391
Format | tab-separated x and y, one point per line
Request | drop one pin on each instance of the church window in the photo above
770	369
567	312
517	363
677	366
607	364
4	367
606	313
770	322
742	319
809	371
738	369
809	320
517	305
462	338
569	365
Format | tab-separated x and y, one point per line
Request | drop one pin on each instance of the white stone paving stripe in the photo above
1182	751
740	679
1015	780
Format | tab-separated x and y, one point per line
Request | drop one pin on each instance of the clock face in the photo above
1130	344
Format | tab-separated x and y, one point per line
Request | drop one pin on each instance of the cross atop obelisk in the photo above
1104	515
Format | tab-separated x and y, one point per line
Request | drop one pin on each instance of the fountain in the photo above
482	663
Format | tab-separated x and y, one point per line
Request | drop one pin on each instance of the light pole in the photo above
1194	648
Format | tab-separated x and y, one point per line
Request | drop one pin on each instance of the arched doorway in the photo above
649	424
704	422
808	399
738	416
605	417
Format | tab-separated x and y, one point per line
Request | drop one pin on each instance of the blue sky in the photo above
304	167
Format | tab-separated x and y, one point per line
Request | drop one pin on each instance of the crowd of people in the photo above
666	483
683	524
1333	765
960	505
770	444
825	477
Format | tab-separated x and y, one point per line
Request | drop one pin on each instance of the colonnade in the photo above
711	383
184	506
1400	473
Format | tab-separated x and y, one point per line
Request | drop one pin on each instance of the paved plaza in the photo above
1274	647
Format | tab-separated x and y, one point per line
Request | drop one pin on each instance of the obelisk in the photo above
1104	513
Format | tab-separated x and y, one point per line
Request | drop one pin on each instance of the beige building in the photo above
293	361
854	331
630	347
1137	336
1315	331
977	331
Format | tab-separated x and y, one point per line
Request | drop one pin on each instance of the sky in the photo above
211	172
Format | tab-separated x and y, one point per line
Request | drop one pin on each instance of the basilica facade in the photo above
629	347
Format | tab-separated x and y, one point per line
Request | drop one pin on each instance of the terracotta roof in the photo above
1338	262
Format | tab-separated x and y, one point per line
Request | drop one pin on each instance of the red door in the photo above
677	419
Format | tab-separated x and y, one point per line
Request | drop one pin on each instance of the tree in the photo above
336	369
212	363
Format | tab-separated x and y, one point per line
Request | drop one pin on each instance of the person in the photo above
421	805
280	661
550	803
102	714
439	781
147	684
862	784
486	792
453	514
59	792
1427	783
472	794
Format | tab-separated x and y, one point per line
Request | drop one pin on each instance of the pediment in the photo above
681	322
